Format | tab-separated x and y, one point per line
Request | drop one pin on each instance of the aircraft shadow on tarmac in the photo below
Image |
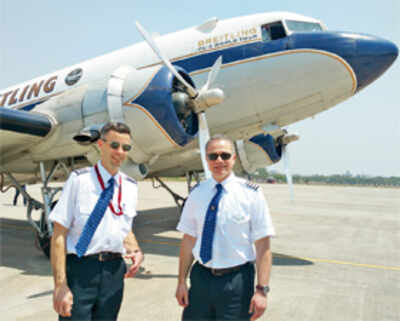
18	249
157	221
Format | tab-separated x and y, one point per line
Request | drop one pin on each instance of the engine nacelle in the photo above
158	110
257	152
152	102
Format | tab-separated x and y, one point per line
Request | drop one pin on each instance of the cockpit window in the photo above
303	26
273	31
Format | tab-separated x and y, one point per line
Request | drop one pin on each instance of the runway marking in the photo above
372	266
162	243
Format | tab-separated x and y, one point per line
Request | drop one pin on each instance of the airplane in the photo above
247	77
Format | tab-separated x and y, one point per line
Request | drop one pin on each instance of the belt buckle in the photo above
102	256
215	272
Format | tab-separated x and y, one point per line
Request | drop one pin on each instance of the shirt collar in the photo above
225	182
105	175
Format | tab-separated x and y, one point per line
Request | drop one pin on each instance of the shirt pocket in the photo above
237	227
239	217
127	208
87	200
80	222
238	214
235	219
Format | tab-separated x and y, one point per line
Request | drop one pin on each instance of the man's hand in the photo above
63	300
137	258
182	295
258	305
185	262
62	295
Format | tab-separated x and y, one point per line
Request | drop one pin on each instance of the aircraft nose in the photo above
370	57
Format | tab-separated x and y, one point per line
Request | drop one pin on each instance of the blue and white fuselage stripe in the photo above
367	55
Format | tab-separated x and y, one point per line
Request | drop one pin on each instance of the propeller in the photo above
191	91
201	100
204	136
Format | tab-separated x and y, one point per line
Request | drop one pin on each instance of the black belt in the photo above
220	272
102	256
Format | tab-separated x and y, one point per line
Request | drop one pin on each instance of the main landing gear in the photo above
43	228
179	200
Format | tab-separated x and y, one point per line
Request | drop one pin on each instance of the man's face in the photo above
220	169
112	158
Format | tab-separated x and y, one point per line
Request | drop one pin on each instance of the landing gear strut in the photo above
179	200
43	227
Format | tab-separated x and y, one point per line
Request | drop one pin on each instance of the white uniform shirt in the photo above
243	217
79	197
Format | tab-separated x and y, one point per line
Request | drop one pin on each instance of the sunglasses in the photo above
115	145
214	156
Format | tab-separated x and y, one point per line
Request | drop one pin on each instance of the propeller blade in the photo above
209	97
191	91
203	99
289	180
213	73
204	136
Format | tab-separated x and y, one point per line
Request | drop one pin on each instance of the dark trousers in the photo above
97	288
225	297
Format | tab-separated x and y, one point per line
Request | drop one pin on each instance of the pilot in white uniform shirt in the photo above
243	217
79	197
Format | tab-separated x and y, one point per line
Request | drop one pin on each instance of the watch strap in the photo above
263	289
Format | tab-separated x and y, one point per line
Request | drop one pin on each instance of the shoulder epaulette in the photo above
252	185
81	171
129	179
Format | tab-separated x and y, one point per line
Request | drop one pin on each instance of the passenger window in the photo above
273	31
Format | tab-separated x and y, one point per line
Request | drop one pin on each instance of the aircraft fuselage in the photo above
277	69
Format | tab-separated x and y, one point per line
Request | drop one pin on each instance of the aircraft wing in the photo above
21	129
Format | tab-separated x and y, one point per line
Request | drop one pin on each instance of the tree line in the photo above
262	175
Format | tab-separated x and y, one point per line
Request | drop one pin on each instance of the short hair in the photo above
220	137
119	127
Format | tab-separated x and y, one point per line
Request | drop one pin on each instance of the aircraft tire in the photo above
43	243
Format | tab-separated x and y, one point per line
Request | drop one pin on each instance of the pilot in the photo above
92	231
226	227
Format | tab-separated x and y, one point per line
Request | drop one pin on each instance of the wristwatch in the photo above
263	289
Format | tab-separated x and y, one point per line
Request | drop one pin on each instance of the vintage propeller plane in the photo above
246	77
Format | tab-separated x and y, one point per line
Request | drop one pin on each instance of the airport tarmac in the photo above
336	257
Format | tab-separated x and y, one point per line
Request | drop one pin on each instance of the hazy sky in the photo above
360	135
